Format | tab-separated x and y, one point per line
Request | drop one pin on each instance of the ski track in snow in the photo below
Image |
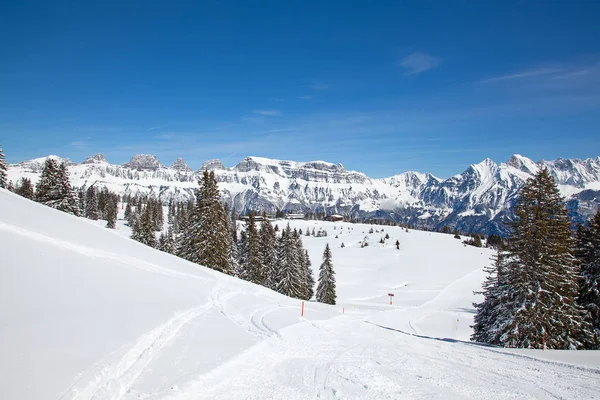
111	379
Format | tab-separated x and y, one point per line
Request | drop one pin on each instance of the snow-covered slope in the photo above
88	314
478	200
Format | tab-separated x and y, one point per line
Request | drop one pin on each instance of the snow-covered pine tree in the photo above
310	279
147	228
111	214
68	201
541	273
25	188
588	258
3	169
492	312
268	253
91	204
253	265
46	191
290	282
241	270
326	288
206	240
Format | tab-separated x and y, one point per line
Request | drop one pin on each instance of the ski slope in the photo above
86	313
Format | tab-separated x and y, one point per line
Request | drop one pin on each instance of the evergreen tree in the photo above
310	279
537	306
54	189
91	204
492	312
253	266
147	228
326	288
111	215
25	188
3	169
588	258
68	198
268	253
207	239
290	280
127	211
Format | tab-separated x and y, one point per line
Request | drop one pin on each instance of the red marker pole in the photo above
302	314
391	296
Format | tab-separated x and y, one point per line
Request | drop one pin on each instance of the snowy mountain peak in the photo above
144	162
180	165
523	164
213	165
97	159
36	164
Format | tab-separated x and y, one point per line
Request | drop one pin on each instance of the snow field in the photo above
88	314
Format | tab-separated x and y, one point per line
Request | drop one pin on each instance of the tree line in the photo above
543	288
205	233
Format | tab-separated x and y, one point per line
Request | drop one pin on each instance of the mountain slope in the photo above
478	200
88	314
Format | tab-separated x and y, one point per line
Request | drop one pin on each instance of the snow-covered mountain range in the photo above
478	200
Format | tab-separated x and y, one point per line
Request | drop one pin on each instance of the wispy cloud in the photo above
268	113
320	86
277	99
306	97
524	74
153	128
417	63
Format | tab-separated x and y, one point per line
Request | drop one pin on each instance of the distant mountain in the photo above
478	200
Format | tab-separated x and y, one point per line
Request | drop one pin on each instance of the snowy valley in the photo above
478	200
88	313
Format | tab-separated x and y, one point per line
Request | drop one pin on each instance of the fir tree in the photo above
207	240
492	312
111	215
147	228
588	258
326	288
538	298
25	188
290	280
91	204
310	279
3	169
253	265
68	201
268	253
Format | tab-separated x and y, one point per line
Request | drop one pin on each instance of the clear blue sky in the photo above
382	87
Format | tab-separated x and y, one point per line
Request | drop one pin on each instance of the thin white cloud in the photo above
153	128
320	86
417	63
268	113
524	74
306	97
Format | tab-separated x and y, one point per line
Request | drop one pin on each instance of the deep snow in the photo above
86	313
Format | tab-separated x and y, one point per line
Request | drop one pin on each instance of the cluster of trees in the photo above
205	233
54	190
543	289
98	204
145	217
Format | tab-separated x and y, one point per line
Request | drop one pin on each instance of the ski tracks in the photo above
113	377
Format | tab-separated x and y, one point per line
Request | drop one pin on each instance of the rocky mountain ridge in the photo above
478	200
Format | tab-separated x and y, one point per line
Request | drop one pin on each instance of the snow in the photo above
89	314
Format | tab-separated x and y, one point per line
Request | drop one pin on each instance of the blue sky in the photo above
382	87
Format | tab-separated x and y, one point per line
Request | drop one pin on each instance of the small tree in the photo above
3	169
326	288
25	188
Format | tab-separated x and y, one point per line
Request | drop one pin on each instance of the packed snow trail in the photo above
88	314
346	358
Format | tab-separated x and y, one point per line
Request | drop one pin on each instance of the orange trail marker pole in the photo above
302	314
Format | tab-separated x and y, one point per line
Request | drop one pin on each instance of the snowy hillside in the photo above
89	314
478	200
